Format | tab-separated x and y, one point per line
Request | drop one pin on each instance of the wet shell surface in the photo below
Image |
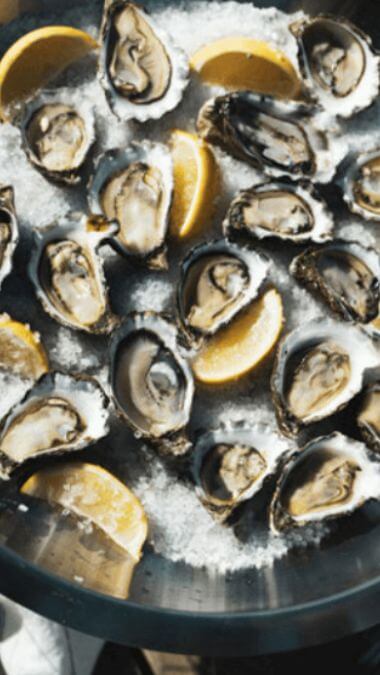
361	184
282	209
152	383
142	72
346	275
218	280
277	137
319	368
61	413
231	464
9	230
68	275
330	477
338	63
134	186
57	138
368	418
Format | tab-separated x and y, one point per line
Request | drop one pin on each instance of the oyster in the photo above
277	137
61	413
231	464
319	368
330	477
346	274
281	209
68	275
9	232
217	281
134	187
361	184
57	138
337	61
368	418
151	382
142	72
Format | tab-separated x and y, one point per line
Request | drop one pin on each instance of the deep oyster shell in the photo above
368	417
361	184
9	230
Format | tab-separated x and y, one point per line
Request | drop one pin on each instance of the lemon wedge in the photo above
244	63
196	184
243	345
21	350
92	492
36	58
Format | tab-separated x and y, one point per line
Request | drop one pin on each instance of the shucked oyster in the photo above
338	64
361	184
151	382
134	187
68	275
60	413
368	418
346	274
272	135
143	73
231	464
217	281
330	477
9	233
57	138
319	368
281	209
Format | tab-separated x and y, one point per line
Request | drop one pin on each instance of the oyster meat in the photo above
230	465
368	418
338	63
319	368
277	137
361	184
68	275
346	274
330	477
142	72
134	187
61	413
281	209
152	383
9	231
217	281
57	138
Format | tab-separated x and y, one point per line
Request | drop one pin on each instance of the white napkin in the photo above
33	645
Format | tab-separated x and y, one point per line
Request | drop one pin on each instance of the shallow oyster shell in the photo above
330	477
9	230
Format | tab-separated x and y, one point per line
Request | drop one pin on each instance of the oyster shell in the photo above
319	368
218	279
361	184
346	274
330	477
152	383
57	138
230	465
274	136
281	209
9	231
61	413
143	74
134	187
368	418
68	275
337	61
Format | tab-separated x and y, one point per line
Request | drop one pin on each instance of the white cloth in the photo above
33	645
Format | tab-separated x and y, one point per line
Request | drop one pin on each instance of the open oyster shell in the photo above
134	187
57	137
61	413
218	280
346	274
319	368
368	419
330	477
152	383
143	73
231	464
338	63
67	273
275	136
9	231
282	209
361	184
